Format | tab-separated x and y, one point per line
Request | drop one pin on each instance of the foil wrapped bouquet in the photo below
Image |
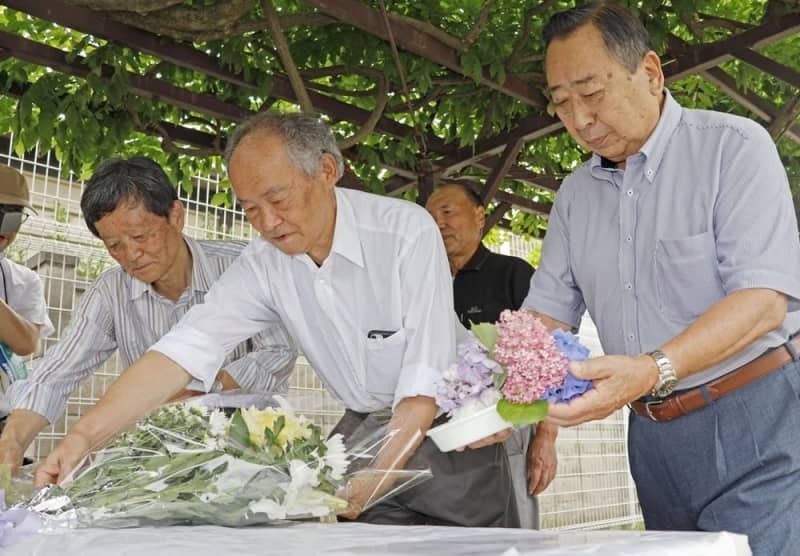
506	374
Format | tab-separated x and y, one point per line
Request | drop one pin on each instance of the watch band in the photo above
667	377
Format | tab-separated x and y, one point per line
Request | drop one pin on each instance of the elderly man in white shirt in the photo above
362	284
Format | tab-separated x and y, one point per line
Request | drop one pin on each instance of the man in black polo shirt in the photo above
485	284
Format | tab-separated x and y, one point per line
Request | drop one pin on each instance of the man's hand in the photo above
618	380
11	453
20	429
360	491
501	436
62	460
542	458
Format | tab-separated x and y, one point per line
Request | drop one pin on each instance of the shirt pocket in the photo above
687	277
384	361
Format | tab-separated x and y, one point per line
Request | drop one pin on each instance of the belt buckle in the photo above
648	405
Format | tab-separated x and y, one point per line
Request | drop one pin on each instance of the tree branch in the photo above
480	24
708	20
785	119
137	6
369	125
286	58
432	30
184	22
166	141
525	34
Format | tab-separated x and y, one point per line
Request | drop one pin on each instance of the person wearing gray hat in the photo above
23	312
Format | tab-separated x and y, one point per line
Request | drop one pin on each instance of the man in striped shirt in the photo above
133	207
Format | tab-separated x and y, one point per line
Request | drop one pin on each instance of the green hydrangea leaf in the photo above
522	414
486	334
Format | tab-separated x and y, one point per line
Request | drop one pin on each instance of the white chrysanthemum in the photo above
336	457
217	423
303	475
192	403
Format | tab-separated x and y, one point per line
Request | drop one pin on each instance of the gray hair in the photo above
625	37
307	139
136	180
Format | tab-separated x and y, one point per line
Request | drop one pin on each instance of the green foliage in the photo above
85	119
486	333
535	254
522	414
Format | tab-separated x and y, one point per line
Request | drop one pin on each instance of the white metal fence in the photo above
593	487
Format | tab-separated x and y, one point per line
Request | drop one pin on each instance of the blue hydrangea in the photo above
569	344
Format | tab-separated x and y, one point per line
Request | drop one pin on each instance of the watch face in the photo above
666	387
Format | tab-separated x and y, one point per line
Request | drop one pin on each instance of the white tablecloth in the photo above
303	539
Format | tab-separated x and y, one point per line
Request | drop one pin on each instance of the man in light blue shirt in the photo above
680	239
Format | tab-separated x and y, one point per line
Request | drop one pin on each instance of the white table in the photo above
303	539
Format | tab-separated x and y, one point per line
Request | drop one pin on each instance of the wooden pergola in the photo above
495	154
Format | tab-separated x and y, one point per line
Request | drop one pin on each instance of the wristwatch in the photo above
216	387
667	377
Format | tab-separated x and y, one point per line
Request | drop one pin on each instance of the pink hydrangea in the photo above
528	351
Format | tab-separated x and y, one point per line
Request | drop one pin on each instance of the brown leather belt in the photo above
691	400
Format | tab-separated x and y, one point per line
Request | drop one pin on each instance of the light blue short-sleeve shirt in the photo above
703	210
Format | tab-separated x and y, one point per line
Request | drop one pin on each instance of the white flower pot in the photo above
466	430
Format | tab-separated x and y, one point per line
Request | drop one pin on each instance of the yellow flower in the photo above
258	420
294	429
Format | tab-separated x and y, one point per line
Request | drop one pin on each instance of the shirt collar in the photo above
478	258
202	277
656	144
346	240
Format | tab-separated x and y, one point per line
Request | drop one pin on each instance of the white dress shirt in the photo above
387	271
21	289
119	312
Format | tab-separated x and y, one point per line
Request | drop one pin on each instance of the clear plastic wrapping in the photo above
188	463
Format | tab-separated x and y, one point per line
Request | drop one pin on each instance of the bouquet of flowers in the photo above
506	374
187	464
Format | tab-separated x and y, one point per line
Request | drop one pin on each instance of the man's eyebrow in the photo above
581	81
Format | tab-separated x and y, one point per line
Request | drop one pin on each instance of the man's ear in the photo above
177	215
327	170
480	215
651	64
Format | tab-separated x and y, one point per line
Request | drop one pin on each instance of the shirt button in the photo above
650	172
629	239
628	286
629	193
631	337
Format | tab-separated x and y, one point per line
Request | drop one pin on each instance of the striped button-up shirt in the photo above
119	312
703	210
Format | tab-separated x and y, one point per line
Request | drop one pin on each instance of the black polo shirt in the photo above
488	284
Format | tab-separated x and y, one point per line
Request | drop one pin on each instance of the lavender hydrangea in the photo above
469	379
16	523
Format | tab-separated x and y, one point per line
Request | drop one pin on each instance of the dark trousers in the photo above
472	488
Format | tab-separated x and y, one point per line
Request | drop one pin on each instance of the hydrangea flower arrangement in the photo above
517	364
